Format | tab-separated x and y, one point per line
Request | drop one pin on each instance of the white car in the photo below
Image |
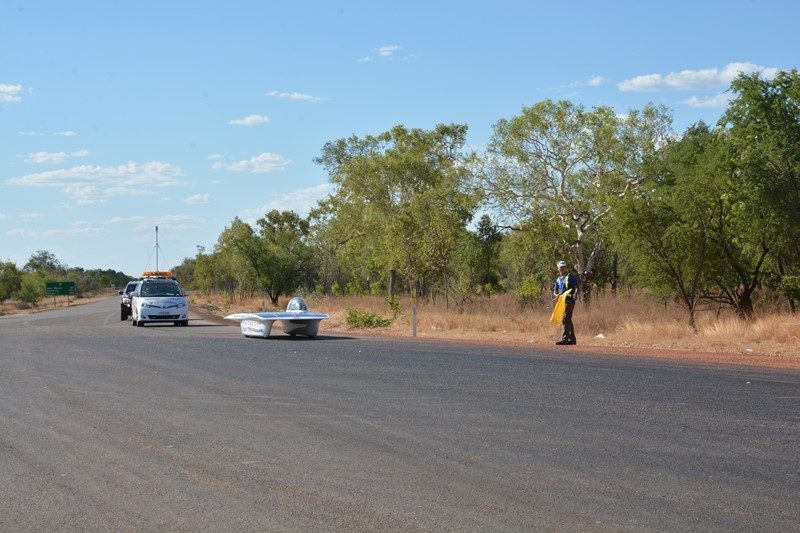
159	300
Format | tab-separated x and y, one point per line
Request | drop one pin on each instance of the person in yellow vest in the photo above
566	282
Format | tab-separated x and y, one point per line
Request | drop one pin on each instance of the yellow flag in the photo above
560	307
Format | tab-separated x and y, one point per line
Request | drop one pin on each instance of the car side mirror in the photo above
120	292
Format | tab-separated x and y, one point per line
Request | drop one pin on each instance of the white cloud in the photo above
164	222
388	51
27	217
718	100
67	133
215	157
199	199
29	133
366	59
266	162
296	96
3	216
91	194
594	81
687	80
76	228
10	93
86	184
249	120
300	201
53	157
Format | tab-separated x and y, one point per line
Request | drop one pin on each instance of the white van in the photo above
159	300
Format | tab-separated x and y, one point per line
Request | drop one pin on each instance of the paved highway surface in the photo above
106	426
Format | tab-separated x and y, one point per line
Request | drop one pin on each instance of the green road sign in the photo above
56	288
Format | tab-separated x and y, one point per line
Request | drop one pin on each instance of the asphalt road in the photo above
106	426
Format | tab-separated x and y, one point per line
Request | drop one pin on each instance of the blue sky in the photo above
119	116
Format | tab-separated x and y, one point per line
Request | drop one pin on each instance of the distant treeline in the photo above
27	284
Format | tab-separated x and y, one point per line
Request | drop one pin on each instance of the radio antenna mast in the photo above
156	248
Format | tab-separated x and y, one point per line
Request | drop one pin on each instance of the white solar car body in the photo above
296	320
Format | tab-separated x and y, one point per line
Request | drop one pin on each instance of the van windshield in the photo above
161	288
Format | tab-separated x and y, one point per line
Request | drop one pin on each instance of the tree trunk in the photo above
392	276
782	272
692	321
446	295
744	306
273	298
589	273
614	263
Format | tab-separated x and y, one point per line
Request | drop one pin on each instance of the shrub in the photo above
31	290
336	290
211	306
394	305
529	292
363	319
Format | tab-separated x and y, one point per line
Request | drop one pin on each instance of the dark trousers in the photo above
569	329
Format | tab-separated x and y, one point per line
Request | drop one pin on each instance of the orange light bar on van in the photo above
157	274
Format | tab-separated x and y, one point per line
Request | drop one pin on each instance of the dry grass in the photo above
608	322
14	307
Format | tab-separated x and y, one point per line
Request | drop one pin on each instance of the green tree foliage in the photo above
707	218
400	201
10	281
475	265
185	272
488	239
224	269
764	125
45	263
278	254
558	168
700	229
92	280
32	288
663	228
48	268
739	231
528	257
236	272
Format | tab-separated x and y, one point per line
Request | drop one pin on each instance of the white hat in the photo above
561	264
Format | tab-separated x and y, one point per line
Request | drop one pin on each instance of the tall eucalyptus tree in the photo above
400	200
561	167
